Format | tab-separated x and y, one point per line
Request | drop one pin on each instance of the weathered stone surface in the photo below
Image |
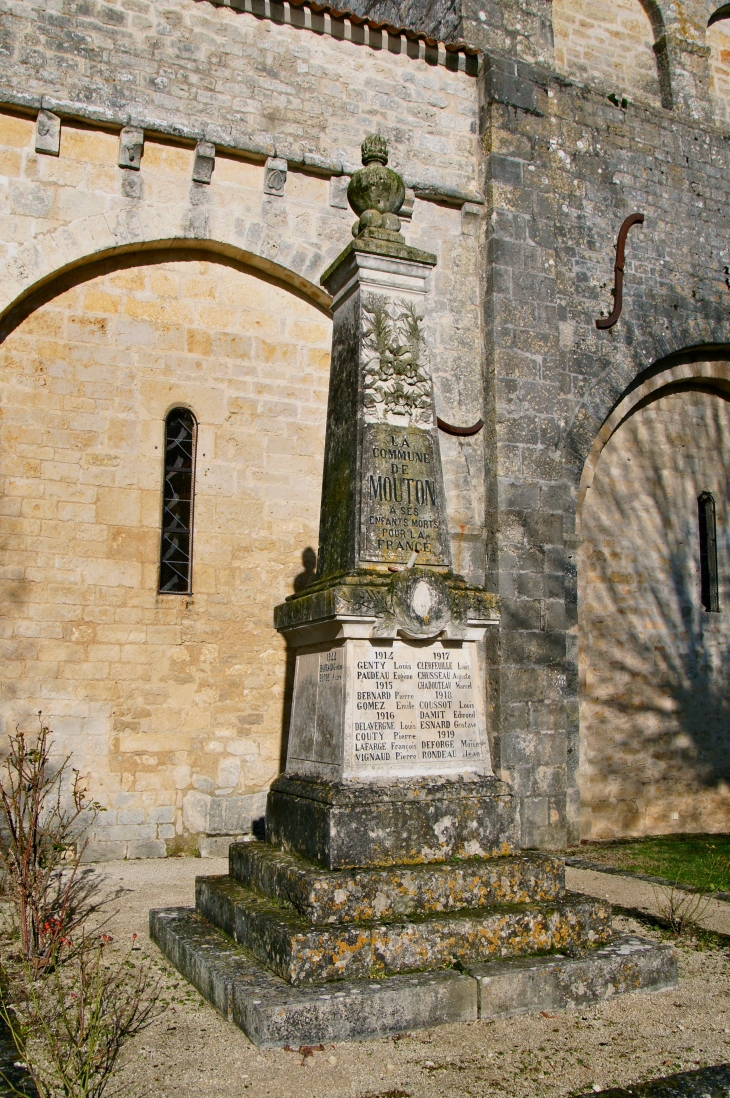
368	709
131	148
416	820
372	595
550	983
48	133
343	896
273	1013
204	162
301	953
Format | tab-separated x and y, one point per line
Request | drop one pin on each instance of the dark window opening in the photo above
708	553
177	512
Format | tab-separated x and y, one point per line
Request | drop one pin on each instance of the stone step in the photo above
272	1013
522	985
279	937
345	895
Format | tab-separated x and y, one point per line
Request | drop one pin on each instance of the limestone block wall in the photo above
654	667
718	39
607	44
171	705
563	169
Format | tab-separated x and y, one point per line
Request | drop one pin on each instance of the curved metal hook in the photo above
722	12
461	432
618	269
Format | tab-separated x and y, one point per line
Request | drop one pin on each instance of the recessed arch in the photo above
718	40
89	378
619	45
649	350
41	262
153	251
156	252
653	640
712	374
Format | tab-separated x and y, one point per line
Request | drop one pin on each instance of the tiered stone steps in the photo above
280	944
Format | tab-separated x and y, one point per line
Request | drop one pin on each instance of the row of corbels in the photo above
131	149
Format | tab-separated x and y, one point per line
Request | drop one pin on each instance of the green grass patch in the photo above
699	860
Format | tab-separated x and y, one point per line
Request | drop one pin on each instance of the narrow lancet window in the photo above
177	512
708	553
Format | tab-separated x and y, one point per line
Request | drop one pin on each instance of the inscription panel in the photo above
402	507
315	736
416	708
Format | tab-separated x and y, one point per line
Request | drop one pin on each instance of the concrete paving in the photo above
627	891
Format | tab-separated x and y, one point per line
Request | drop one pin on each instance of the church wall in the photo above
173	707
654	669
171	704
560	166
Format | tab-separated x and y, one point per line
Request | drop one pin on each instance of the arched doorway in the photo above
654	666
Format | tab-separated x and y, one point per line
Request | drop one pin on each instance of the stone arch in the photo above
646	350
715	373
141	229
654	684
718	39
617	45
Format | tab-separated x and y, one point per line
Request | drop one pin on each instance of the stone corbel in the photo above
48	133
275	176
204	162
131	148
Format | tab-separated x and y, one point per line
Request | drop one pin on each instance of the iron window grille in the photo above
176	550
708	553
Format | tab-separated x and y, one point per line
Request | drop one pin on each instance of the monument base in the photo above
414	820
272	1013
297	954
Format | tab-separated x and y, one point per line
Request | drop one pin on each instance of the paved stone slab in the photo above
341	896
272	1013
300	953
523	985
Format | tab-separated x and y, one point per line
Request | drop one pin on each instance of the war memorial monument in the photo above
391	892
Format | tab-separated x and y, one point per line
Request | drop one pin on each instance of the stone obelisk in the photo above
388	735
387	896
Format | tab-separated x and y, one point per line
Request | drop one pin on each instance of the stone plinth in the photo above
295	954
408	821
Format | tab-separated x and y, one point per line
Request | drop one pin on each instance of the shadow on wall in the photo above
655	665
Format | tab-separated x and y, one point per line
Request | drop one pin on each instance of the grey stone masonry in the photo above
272	1013
563	167
344	896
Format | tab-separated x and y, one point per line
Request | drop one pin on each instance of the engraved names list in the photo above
415	707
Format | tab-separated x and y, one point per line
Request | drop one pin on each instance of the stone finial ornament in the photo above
376	192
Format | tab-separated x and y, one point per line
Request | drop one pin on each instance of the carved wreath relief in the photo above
397	383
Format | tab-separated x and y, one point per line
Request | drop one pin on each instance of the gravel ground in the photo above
191	1051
